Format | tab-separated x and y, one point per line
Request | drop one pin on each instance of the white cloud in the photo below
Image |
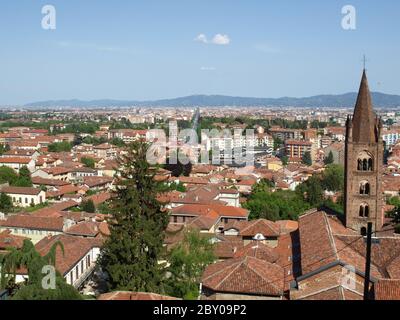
221	39
207	69
201	38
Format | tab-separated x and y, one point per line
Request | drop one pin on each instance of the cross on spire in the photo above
364	61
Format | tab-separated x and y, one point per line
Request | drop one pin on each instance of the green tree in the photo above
306	158
278	205
4	148
329	159
312	191
285	160
88	206
131	254
264	185
117	142
395	213
64	146
24	178
333	178
187	263
277	143
6	204
88	162
29	258
7	175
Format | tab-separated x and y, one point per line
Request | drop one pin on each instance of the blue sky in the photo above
147	49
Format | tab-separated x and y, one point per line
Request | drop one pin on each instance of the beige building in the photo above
25	197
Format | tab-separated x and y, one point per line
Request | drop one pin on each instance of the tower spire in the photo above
364	118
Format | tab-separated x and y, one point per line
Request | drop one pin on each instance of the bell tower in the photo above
363	164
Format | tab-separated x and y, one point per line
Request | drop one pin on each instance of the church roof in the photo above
364	118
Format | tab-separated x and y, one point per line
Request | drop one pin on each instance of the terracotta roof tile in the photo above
387	290
246	275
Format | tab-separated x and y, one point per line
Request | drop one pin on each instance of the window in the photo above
175	219
81	266
77	272
364	188
72	277
364	210
365	162
26	200
363	231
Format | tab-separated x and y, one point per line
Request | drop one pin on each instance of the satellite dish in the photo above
259	237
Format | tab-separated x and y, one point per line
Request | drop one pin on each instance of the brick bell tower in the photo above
363	164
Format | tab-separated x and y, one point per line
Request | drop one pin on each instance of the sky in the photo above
156	49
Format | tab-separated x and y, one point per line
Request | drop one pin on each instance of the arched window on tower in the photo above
364	210
370	165
365	161
364	188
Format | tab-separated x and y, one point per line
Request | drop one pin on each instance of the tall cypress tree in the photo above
130	255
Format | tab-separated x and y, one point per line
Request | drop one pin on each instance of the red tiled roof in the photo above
128	295
85	228
387	290
75	248
56	170
48	182
257	250
99	198
246	275
96	181
21	190
8	240
265	227
203	209
33	222
20	160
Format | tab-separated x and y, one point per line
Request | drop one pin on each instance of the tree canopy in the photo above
6	204
306	158
33	289
88	162
279	205
88	206
329	159
187	263
131	254
64	146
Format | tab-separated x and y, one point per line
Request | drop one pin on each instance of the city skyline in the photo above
155	50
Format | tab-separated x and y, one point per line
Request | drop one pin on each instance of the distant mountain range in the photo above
381	100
